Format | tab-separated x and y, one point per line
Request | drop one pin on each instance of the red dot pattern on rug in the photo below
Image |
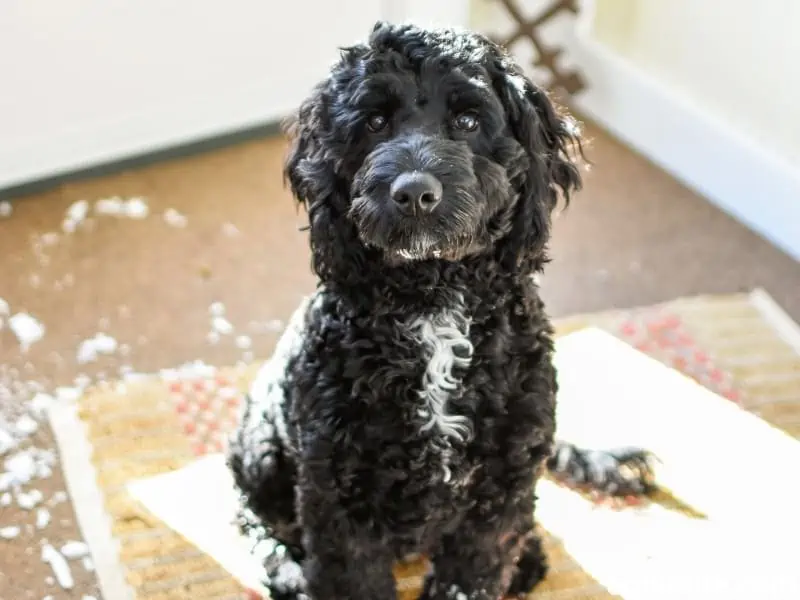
663	336
207	410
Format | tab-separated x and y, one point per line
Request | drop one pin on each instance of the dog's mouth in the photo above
411	255
452	249
426	250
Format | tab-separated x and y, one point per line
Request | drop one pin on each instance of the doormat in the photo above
742	347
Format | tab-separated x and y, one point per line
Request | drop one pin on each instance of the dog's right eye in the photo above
466	121
376	122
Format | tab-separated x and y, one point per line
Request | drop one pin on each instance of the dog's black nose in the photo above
416	192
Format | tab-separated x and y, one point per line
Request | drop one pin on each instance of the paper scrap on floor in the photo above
737	470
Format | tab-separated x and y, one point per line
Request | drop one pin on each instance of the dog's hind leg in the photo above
616	472
283	573
265	476
264	468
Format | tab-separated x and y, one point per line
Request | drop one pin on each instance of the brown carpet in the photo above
633	237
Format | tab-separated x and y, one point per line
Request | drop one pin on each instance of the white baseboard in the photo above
730	169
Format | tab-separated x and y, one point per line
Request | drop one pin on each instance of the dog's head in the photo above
429	145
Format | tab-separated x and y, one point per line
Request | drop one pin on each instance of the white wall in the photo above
91	81
705	89
737	58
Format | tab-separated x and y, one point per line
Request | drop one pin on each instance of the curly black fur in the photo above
409	407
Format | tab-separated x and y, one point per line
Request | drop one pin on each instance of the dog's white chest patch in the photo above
444	339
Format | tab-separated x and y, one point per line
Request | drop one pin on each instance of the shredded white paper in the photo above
192	370
90	349
114	206
40	404
21	467
42	518
7	442
26	426
68	394
59	565
74	550
24	466
29	500
137	208
27	329
58	498
88	564
76	214
221	325
173	218
10	532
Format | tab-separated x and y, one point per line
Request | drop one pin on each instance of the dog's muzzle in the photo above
417	196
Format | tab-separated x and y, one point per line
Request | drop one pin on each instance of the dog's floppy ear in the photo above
311	164
309	175
552	145
312	171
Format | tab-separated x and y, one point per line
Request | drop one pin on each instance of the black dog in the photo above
409	408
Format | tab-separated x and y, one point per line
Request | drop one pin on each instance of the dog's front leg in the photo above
345	559
490	554
344	564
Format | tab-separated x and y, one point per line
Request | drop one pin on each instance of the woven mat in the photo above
740	346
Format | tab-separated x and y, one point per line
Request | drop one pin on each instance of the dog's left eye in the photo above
376	122
467	121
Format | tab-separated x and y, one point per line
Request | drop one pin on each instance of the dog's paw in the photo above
283	574
617	472
286	582
531	569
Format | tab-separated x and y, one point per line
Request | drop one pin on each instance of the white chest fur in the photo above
445	344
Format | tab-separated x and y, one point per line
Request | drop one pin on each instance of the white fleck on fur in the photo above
289	576
266	391
444	337
563	456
